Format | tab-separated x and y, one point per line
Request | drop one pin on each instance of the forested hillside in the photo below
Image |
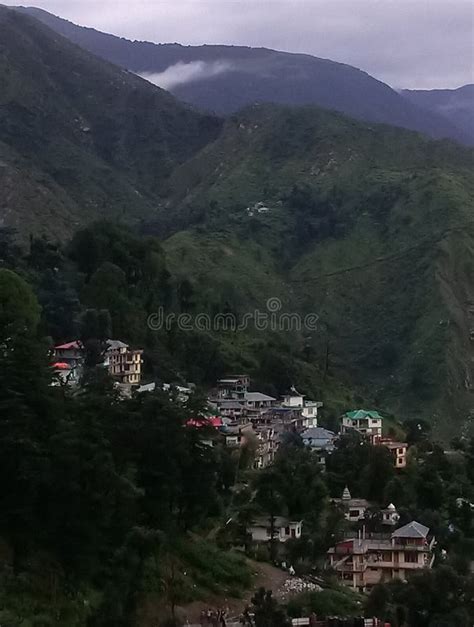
80	138
368	226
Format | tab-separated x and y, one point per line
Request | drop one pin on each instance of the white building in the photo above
309	409
354	509
284	529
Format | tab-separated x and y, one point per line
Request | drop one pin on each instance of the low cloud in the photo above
181	73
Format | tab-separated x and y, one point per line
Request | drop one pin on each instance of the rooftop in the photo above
318	433
279	521
75	344
115	344
360	414
411	530
258	396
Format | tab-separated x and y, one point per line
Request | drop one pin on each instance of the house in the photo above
293	398
68	362
367	423
309	409
284	419
354	509
258	404
320	441
237	435
283	529
364	561
398	451
257	400
233	386
267	445
310	413
234	410
71	353
123	363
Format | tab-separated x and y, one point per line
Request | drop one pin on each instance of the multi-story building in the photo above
308	409
364	561
257	404
398	451
367	423
71	353
124	364
233	386
267	446
231	409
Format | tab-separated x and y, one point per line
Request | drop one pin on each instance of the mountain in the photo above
80	138
456	105
369	227
224	79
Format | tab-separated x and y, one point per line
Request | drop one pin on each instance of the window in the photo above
354	513
411	557
287	531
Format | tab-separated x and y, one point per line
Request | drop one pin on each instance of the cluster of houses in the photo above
123	363
244	415
253	416
240	416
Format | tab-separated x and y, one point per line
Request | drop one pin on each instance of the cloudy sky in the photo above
406	43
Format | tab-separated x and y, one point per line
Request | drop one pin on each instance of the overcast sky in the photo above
406	43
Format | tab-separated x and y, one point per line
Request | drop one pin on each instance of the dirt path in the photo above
265	576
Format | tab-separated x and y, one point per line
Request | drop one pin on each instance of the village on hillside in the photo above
238	416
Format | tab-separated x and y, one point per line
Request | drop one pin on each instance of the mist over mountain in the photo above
223	79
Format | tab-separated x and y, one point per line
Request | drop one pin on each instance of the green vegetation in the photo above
80	138
369	227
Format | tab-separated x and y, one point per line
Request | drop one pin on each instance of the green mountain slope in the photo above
367	226
80	138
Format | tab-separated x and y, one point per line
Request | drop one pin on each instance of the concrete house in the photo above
367	423
123	364
364	561
398	451
284	529
233	386
309	409
320	441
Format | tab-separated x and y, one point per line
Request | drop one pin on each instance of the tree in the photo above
267	611
19	308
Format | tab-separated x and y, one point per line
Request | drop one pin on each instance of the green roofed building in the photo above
366	422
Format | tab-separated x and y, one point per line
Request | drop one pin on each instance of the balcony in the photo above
351	568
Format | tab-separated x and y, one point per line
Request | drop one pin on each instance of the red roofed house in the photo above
68	360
